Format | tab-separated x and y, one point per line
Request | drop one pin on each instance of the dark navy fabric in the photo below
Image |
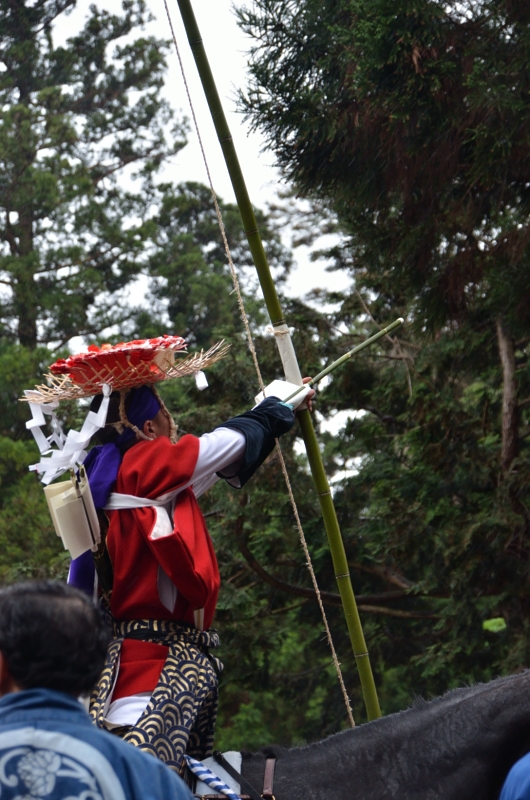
82	573
49	749
261	427
517	784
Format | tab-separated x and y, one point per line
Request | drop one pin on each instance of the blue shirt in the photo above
49	749
517	784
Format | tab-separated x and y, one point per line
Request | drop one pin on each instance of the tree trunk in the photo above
510	415
24	287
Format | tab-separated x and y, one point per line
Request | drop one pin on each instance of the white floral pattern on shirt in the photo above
36	774
38	771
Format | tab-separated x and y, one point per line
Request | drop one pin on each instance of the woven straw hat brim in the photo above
121	375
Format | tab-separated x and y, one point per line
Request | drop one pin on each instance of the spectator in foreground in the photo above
517	784
53	642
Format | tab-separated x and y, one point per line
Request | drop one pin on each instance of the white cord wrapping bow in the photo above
70	450
210	778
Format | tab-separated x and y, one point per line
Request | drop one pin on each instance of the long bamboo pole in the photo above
290	363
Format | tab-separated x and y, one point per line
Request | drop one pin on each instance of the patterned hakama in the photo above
180	716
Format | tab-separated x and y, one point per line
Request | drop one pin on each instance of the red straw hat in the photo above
122	366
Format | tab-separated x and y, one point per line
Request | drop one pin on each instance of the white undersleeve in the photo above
127	710
219	451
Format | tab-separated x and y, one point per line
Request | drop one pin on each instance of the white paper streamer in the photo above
201	381
70	450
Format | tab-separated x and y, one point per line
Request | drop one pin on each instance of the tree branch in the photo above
124	162
301	591
386	573
380	415
510	417
395	612
394	341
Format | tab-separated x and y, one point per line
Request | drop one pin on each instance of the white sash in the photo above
118	502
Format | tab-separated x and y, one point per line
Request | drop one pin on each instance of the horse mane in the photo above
270	751
419	702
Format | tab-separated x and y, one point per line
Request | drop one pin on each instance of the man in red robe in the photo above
159	686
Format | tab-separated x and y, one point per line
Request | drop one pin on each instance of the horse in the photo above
460	745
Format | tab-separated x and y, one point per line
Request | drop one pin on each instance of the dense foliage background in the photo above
405	125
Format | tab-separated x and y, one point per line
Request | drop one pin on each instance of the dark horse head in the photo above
458	746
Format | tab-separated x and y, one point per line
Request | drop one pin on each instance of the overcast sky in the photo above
227	49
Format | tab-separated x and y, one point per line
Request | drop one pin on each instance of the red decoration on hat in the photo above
106	362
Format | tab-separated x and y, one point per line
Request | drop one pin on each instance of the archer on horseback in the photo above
158	572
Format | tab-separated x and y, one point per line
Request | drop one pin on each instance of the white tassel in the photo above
201	380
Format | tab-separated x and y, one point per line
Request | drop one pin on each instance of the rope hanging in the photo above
252	349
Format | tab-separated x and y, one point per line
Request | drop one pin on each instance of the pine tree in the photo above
409	122
410	119
74	117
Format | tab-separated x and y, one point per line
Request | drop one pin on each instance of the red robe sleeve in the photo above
137	550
